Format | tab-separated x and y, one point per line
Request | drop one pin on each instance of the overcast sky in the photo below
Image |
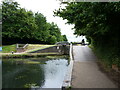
46	7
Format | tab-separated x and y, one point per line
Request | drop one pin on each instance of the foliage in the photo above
64	38
99	22
0	13
52	39
0	24
22	26
9	48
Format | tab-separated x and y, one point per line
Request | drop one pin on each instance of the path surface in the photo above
86	73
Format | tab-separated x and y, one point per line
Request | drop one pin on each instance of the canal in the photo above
43	72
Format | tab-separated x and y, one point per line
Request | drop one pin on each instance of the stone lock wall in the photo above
54	49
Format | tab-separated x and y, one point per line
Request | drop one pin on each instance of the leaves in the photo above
92	19
22	26
99	22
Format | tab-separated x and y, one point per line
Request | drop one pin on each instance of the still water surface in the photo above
34	72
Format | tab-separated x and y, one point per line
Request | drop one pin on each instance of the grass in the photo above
30	48
32	62
9	48
34	46
27	55
52	57
40	47
107	55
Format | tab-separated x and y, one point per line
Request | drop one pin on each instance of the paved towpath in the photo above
86	73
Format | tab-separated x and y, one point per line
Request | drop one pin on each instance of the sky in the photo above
46	7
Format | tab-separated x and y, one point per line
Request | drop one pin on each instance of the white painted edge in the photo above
68	76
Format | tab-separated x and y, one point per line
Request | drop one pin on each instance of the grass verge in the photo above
106	58
42	47
112	74
9	48
107	55
34	46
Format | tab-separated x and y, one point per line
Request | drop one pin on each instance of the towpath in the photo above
86	73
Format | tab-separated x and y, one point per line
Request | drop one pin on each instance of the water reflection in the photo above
35	73
22	76
54	73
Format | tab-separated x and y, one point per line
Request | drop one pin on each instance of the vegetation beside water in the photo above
31	47
9	48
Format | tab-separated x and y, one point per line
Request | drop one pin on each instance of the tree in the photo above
55	31
42	31
64	38
52	40
9	10
97	21
17	22
22	26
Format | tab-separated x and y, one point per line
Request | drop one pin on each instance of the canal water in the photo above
47	72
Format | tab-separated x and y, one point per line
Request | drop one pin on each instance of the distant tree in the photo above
64	38
54	30
52	40
22	26
42	32
17	22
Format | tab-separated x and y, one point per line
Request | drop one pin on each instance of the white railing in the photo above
25	45
21	49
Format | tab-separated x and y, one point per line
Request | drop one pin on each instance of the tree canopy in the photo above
64	38
23	26
98	21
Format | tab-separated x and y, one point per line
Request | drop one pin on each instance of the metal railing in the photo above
21	49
